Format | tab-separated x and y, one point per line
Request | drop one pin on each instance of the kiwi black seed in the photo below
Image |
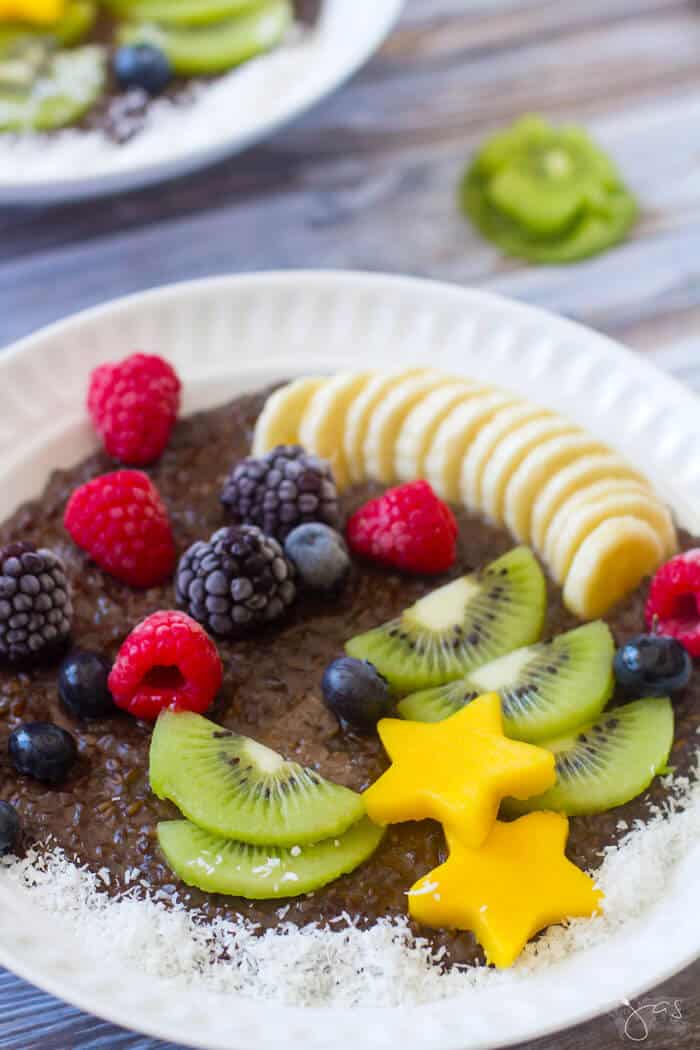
235	787
545	689
463	625
609	762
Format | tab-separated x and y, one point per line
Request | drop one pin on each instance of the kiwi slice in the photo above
235	787
545	689
181	12
73	26
546	194
218	865
459	627
209	49
57	91
609	762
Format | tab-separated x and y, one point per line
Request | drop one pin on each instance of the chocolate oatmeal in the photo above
105	814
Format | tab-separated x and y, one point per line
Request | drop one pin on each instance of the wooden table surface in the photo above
367	181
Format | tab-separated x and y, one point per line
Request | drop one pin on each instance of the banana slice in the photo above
588	515
387	420
418	428
611	562
279	421
322	428
361	412
509	454
452	439
570	480
544	462
513	415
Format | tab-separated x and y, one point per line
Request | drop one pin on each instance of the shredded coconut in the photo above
340	964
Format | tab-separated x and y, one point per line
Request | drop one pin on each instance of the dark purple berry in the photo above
356	693
320	556
652	665
42	750
82	685
285	488
35	603
238	580
142	66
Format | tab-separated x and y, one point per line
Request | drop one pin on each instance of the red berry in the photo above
120	520
673	605
133	405
168	661
408	527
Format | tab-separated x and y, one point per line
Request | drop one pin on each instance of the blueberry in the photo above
142	66
82	685
652	665
319	554
9	827
42	750
356	693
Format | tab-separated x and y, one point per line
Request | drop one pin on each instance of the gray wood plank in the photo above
367	180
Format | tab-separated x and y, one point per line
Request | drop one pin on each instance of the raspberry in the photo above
120	520
133	405
408	527
283	489
239	579
35	603
673	605
168	661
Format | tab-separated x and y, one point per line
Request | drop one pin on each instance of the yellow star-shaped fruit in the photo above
518	882
456	771
41	12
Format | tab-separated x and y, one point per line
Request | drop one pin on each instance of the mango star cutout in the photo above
41	12
456	771
518	883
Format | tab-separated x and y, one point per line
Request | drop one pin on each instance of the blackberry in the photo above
239	579
35	602
283	489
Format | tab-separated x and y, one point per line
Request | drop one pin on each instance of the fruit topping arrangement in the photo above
55	66
597	524
257	826
496	734
546	194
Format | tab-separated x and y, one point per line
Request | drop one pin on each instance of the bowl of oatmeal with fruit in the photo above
350	687
97	96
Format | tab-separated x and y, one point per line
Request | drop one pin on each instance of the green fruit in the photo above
232	786
546	689
218	865
459	627
608	763
181	12
75	24
206	50
61	91
546	194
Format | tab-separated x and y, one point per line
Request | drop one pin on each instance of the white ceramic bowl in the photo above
231	334
242	107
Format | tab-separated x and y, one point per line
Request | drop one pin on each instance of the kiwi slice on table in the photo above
219	865
57	90
208	49
545	689
546	194
70	29
609	762
181	12
459	627
235	787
